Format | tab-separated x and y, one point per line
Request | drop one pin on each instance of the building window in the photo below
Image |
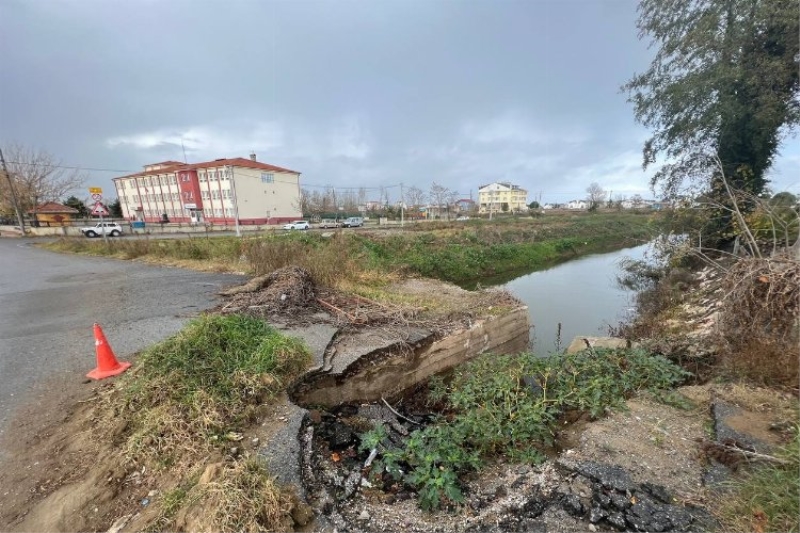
226	193
229	211
202	177
267	177
172	180
204	195
212	176
215	195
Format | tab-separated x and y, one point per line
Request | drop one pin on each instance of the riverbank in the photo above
643	467
458	252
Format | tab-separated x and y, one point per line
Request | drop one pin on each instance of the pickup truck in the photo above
108	228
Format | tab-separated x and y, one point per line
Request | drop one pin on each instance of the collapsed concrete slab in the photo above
368	365
366	349
579	344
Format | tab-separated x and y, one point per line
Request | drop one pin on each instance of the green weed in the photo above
509	405
673	399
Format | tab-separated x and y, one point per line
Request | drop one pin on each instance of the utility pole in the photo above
14	199
235	203
402	206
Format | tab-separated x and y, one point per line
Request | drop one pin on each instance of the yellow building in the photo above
52	214
502	197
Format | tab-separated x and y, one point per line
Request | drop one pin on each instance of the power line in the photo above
133	172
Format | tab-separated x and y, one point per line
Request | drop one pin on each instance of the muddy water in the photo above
581	295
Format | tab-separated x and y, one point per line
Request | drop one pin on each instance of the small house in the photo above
52	214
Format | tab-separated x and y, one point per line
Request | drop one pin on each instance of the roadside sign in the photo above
95	190
99	210
97	197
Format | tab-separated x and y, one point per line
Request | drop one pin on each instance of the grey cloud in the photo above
349	93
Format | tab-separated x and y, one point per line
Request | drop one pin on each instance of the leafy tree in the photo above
115	209
534	205
783	199
75	203
724	82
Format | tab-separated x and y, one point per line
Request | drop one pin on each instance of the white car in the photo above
297	224
102	228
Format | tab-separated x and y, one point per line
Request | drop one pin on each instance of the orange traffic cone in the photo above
107	364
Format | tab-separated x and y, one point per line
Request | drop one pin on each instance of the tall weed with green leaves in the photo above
509	405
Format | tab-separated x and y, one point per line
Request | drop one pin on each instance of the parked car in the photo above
353	222
297	224
102	228
329	223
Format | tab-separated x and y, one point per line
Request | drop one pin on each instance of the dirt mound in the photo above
287	289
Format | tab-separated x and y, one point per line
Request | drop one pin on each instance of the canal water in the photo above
581	295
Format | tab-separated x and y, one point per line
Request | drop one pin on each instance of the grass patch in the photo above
453	252
186	403
766	498
204	383
509	405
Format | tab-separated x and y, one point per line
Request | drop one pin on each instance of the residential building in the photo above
578	204
465	205
502	196
211	192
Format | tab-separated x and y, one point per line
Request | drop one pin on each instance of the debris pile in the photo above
357	310
572	495
286	290
762	300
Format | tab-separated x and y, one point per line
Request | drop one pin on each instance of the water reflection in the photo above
582	295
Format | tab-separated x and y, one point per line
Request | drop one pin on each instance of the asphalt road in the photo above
49	301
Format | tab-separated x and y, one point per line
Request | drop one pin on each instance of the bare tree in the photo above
37	177
596	195
451	199
415	196
304	202
439	195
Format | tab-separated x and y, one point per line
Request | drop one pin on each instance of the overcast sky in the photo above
350	93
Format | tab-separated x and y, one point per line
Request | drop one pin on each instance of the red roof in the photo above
236	162
55	207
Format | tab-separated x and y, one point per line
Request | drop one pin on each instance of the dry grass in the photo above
758	320
245	498
327	259
765	498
